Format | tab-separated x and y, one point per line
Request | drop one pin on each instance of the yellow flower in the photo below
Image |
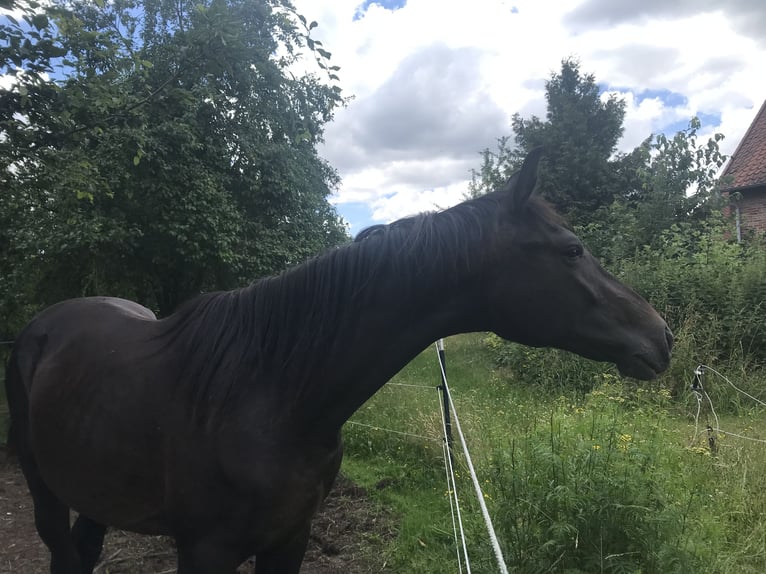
624	445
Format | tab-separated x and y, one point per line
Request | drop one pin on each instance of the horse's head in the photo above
548	290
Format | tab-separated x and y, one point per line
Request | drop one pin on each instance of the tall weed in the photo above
603	488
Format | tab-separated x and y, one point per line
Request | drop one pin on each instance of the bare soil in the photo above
348	536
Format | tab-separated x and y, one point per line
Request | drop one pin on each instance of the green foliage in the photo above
174	152
580	133
551	370
674	167
695	275
655	184
617	202
496	167
595	491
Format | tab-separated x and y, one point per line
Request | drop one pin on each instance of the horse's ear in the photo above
522	183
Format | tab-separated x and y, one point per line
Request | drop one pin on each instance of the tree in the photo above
678	182
154	149
617	202
663	183
580	134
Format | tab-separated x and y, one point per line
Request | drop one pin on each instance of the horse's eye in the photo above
573	252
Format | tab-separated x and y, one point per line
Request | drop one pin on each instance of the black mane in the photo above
286	324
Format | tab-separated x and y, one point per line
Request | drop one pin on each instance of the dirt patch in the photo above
348	536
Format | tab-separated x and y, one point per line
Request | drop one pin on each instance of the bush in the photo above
697	275
597	491
552	370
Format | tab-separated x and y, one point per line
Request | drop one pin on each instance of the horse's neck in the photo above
384	345
400	315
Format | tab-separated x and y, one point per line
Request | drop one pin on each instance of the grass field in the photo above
613	480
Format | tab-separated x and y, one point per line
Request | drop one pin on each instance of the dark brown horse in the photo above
220	425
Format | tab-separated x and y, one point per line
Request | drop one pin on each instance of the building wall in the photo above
752	209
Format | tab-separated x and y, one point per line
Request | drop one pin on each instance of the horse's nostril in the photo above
669	337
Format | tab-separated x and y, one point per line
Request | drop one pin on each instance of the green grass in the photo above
606	480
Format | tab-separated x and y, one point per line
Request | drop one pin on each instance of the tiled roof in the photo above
748	163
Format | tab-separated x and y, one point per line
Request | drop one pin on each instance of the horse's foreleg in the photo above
285	558
88	537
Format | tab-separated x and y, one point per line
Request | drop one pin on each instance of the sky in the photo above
434	82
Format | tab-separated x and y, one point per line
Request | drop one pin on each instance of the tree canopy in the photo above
619	202
580	134
155	149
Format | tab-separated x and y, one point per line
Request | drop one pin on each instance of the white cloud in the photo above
409	199
7	81
435	81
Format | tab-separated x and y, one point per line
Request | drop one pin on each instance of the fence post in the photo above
445	393
699	386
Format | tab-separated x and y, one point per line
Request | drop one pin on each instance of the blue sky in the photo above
434	82
386	4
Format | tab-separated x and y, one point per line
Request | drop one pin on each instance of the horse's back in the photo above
72	312
88	323
74	320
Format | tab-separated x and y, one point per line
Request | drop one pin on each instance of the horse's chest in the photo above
266	492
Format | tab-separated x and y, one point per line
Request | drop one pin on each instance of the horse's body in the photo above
220	425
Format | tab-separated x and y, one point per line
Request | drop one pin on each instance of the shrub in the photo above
696	274
595	492
553	370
